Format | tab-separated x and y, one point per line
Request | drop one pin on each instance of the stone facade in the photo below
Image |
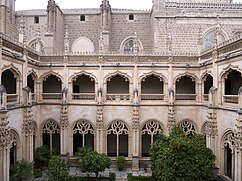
110	79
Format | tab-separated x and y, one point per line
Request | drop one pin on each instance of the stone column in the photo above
135	138
99	129
238	142
1	55
64	122
4	146
2	19
28	130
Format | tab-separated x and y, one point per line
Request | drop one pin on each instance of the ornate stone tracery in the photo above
28	125
118	128
51	127
229	140
188	127
83	128
152	128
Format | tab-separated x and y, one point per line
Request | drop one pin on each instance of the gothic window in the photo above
83	135
131	17
149	134
130	46
51	136
33	44
209	39
188	128
13	146
117	139
228	153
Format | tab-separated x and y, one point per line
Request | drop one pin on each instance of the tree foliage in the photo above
178	157
42	156
21	170
94	162
58	170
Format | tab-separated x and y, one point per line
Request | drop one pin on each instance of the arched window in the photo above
209	39
13	146
9	81
52	87
228	153
117	88
117	139
131	17
149	134
188	127
131	45
83	135
51	136
152	88
185	88
83	88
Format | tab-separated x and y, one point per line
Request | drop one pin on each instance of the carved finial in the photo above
101	43
66	41
21	30
135	43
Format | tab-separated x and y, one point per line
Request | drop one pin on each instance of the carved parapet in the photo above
64	116
28	123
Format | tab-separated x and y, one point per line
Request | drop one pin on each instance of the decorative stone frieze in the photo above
135	119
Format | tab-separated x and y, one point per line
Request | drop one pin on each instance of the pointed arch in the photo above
188	126
188	74
33	74
149	132
228	69
117	139
48	74
14	70
14	145
154	73
205	74
122	74
81	73
128	44
83	133
50	130
209	37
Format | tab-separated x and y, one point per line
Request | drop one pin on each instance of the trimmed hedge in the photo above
140	178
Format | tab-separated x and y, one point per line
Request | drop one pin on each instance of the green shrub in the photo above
21	170
58	170
112	176
120	161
